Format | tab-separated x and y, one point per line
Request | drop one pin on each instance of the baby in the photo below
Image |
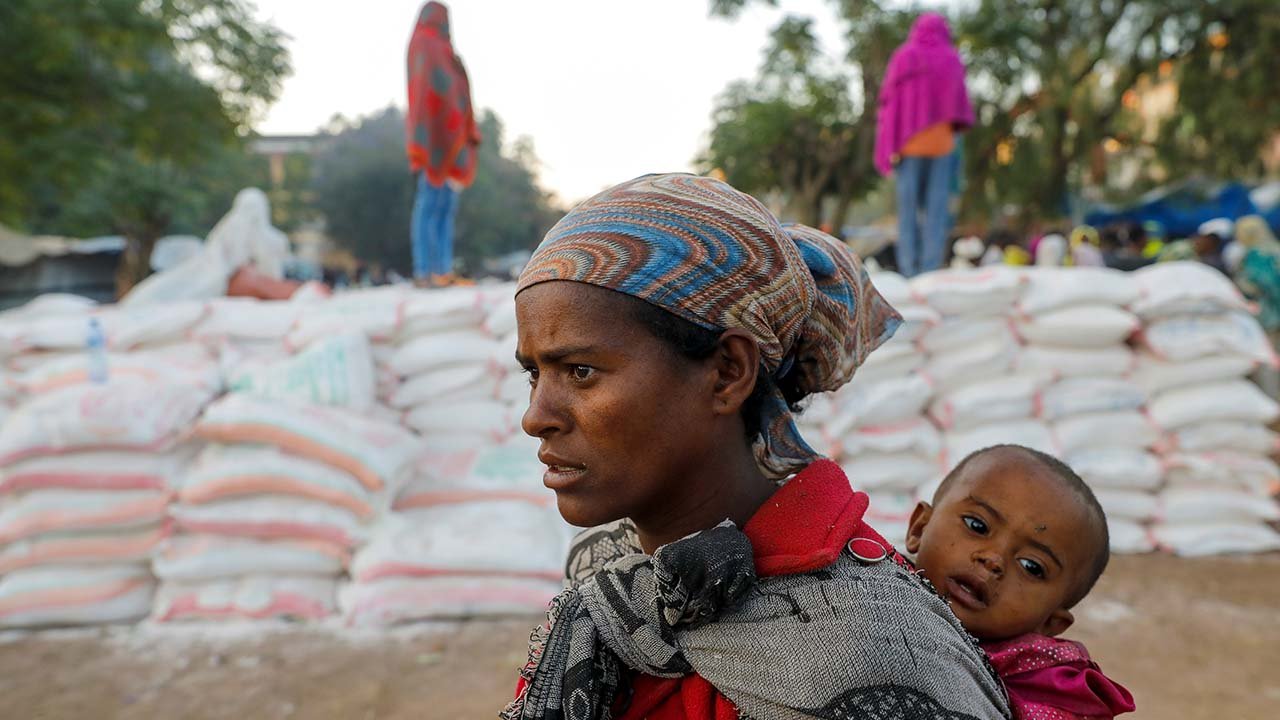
1014	539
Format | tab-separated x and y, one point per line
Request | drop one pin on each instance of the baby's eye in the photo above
581	373
1032	567
975	524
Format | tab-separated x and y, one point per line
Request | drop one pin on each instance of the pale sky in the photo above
607	89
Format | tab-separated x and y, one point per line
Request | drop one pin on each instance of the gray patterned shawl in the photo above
852	640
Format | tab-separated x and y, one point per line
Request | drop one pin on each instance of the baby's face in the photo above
1007	545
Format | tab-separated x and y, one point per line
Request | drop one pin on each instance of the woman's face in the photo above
623	419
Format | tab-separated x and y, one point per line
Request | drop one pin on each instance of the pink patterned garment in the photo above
923	85
1050	679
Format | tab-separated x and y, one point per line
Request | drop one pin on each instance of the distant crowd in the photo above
1245	250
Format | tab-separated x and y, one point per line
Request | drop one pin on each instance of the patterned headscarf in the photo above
699	249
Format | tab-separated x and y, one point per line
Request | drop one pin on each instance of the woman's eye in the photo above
581	373
975	524
533	375
1031	566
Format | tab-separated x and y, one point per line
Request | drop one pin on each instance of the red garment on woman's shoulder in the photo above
803	527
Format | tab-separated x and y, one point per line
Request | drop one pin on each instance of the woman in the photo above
670	326
1259	270
923	104
442	138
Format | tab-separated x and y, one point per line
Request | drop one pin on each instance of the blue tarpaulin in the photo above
1183	209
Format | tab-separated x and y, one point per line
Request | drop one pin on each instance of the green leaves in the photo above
127	115
805	127
1111	95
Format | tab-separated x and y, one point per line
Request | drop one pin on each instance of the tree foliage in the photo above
1227	82
365	192
1059	87
803	127
1053	81
124	115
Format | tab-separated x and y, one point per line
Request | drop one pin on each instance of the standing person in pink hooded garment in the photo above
923	104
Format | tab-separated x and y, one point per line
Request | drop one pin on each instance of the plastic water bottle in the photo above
97	347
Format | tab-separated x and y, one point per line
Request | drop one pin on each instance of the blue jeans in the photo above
923	181
431	230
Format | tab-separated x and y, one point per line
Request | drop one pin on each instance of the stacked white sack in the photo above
244	332
269	514
1198	345
474	534
446	549
378	314
453	367
43	345
982	398
1075	324
875	426
86	472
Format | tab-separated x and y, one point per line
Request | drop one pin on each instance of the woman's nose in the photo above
544	416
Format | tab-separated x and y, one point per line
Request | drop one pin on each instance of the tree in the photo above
1050	81
1226	95
504	210
116	114
803	127
1055	83
365	191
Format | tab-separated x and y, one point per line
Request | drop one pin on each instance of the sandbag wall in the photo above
1198	344
361	456
87	469
273	508
1103	369
472	532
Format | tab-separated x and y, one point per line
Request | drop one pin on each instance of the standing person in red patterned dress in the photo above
441	140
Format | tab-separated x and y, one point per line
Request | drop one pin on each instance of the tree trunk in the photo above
135	263
806	206
843	203
1055	188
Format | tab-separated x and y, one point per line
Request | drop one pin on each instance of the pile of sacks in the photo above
367	460
88	459
1075	324
88	463
1198	346
473	532
1172	437
451	368
434	539
269	514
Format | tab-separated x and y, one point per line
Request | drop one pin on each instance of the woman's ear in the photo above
1057	623
737	367
919	520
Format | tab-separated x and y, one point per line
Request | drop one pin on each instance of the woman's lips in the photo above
560	477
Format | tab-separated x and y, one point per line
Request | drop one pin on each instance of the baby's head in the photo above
1014	539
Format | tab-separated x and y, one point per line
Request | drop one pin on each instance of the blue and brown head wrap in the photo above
716	257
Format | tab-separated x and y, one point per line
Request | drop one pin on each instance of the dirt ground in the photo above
1191	638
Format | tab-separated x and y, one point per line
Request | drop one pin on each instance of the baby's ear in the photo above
919	519
1058	622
